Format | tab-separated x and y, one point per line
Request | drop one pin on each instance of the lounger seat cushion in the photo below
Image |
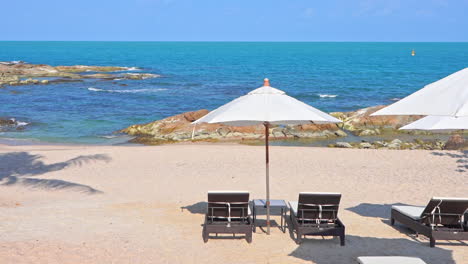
293	205
414	212
390	260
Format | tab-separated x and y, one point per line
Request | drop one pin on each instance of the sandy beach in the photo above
133	204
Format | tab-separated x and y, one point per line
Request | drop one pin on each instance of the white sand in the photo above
78	204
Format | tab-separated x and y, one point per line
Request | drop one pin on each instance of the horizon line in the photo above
258	41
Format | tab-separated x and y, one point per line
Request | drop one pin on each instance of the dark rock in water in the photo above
7	122
11	124
456	142
11	73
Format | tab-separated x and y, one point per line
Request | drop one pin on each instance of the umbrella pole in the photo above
267	159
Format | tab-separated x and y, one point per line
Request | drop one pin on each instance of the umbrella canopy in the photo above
266	105
438	123
445	97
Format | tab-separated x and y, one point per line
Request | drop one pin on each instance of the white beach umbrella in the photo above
438	123
266	105
445	97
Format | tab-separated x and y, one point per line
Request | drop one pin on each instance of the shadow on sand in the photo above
19	168
383	211
462	159
325	251
196	208
373	210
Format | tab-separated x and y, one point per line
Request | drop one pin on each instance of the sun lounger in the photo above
440	219
228	213
390	260
316	214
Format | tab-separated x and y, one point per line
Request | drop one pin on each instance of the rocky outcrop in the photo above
11	124
19	73
456	142
392	144
179	128
360	123
86	68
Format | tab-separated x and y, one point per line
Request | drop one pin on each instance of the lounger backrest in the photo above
445	210
314	206
220	202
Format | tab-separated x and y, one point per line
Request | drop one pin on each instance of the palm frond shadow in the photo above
20	168
462	159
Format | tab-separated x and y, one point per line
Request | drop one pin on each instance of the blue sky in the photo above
235	20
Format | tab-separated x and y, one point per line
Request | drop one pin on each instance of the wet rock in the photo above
369	132
343	145
11	73
279	132
360	121
100	76
223	131
365	145
7	122
139	76
340	133
380	144
11	124
393	146
456	142
87	68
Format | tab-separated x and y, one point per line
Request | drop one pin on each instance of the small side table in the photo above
274	205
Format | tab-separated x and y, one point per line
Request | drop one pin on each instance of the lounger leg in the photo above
392	221
299	238
342	239
205	234
432	242
248	237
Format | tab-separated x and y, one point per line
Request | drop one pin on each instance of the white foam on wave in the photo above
395	99
127	91
327	95
19	123
109	137
95	89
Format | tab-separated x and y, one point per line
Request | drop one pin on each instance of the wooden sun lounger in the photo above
440	219
228	213
390	260
316	214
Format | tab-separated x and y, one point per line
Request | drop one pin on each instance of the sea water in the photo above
332	77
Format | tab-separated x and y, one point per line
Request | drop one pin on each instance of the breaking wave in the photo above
327	95
126	91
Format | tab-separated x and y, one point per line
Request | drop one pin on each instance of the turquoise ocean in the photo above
335	76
